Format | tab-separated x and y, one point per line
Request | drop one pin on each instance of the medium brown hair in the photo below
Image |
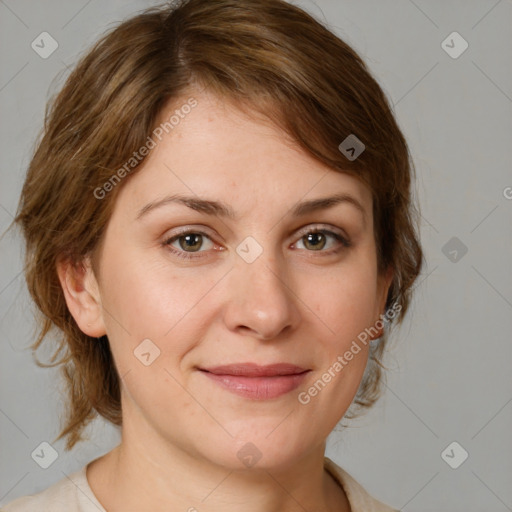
266	56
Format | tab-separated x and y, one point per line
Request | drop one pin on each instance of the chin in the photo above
263	449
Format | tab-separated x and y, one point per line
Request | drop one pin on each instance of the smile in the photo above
257	382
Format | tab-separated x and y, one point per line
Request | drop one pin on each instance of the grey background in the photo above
449	377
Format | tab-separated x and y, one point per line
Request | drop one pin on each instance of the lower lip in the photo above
258	388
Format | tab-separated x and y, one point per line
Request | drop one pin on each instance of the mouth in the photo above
256	382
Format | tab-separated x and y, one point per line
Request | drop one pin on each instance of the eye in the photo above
316	240
188	243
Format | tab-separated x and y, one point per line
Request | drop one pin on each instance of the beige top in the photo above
73	494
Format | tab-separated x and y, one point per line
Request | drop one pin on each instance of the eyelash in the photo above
345	243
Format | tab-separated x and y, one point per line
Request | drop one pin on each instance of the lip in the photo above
256	382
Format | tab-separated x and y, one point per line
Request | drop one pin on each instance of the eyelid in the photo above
321	227
192	228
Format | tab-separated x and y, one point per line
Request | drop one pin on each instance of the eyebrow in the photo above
219	209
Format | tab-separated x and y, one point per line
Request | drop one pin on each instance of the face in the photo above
246	271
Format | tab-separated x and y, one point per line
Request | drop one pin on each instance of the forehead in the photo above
216	150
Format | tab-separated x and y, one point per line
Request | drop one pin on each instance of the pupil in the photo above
191	238
314	237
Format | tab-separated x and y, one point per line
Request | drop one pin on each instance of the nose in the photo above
261	302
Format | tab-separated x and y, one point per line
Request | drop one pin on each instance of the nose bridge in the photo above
260	298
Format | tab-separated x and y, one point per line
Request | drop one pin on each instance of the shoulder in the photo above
358	497
70	494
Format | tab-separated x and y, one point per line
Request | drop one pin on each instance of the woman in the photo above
219	221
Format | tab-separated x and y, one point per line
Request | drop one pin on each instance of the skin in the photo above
298	302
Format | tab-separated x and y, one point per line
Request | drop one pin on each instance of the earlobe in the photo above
82	296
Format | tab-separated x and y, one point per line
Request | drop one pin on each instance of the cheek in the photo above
145	299
346	302
136	293
346	306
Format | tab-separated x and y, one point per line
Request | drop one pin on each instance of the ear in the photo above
82	295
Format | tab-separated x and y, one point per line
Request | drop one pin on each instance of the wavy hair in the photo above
267	56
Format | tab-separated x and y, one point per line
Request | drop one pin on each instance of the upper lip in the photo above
255	370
